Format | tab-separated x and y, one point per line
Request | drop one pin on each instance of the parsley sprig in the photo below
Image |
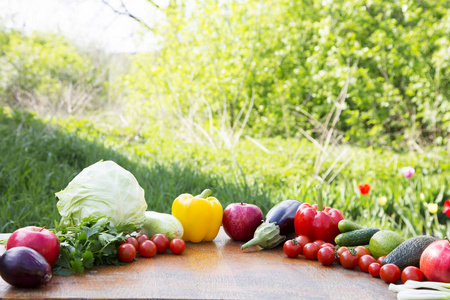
93	242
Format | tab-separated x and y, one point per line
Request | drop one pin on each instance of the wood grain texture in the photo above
211	270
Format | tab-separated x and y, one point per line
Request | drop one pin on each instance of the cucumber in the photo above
347	225
166	224
356	237
408	253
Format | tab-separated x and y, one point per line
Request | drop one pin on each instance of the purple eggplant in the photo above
283	215
24	267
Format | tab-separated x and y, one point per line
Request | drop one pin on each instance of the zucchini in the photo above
166	224
347	225
356	237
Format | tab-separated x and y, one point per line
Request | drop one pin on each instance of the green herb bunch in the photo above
93	242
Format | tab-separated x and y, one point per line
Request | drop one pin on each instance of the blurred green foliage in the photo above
295	55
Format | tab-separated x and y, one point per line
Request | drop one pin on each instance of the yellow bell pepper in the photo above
201	216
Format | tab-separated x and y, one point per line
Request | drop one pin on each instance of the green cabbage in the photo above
103	189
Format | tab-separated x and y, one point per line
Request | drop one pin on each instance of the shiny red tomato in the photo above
126	252
147	249
133	241
303	240
380	259
365	261
161	241
327	245
177	246
390	273
361	250
340	251
326	256
319	242
411	273
374	269
142	238
292	248
310	251
348	260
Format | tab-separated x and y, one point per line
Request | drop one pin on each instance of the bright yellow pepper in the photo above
201	216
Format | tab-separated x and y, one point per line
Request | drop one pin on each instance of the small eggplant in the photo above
283	215
279	222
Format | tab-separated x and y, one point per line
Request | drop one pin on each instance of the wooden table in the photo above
210	270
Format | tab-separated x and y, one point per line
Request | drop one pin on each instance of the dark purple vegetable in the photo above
24	267
283	215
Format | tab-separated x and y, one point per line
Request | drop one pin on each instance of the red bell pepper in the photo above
316	221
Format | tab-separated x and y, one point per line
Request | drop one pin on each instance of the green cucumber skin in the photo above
347	225
356	237
408	253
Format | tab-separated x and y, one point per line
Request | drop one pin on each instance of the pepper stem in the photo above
205	194
319	198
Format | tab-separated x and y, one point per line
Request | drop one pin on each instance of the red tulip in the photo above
447	207
364	188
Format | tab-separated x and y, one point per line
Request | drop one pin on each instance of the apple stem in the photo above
42	229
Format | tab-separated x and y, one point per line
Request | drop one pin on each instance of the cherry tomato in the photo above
340	251
310	251
292	248
177	246
411	273
374	269
361	250
319	242
161	241
348	260
327	245
365	261
147	248
133	241
302	240
380	259
126	252
326	256
390	273
142	238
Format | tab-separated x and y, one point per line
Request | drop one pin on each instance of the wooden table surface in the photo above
211	270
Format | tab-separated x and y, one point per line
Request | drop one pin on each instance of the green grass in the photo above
39	158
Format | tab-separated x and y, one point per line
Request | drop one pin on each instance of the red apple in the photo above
240	220
40	239
435	261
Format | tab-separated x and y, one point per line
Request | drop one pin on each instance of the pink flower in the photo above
408	171
446	209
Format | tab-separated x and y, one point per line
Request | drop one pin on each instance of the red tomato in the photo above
177	246
361	250
380	259
340	251
411	273
147	249
133	241
319	242
365	261
390	273
161	241
326	256
302	240
310	251
142	238
292	248
126	252
327	245
374	269
348	260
